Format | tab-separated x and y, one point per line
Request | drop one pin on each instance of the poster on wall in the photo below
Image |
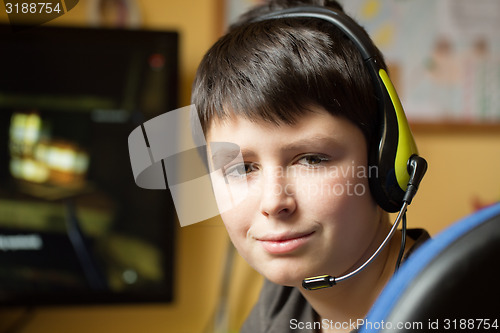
443	55
234	8
446	55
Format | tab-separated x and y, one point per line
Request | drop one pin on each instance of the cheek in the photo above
229	195
348	216
238	207
340	201
237	225
232	221
332	184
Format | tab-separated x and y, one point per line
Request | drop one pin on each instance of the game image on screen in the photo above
74	227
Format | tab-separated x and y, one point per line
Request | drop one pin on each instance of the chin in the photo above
285	276
286	281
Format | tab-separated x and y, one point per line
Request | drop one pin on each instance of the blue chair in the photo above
450	284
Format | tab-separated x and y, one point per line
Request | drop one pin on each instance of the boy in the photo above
296	97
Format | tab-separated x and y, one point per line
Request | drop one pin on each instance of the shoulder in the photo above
420	236
277	310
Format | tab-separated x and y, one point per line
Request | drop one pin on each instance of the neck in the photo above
351	299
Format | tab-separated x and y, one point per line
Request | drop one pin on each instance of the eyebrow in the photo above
310	142
223	156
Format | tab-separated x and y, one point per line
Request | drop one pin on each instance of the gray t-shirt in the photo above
283	309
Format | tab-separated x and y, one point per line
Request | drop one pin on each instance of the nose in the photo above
278	199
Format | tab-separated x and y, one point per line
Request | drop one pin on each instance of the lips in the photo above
284	243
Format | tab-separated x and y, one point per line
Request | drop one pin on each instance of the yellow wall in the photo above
463	172
463	164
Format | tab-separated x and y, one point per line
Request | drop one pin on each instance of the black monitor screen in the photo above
74	227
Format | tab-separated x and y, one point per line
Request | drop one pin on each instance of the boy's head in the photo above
297	98
275	70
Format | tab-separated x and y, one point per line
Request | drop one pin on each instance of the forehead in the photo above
317	126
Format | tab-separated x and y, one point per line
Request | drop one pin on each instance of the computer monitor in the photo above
74	227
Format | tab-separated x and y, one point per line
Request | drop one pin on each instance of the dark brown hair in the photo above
275	70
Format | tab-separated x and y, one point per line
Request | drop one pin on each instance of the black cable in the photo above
403	242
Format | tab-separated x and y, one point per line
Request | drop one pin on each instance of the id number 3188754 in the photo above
17	7
470	324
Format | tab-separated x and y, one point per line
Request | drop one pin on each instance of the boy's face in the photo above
308	210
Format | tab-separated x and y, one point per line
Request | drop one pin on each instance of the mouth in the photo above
284	243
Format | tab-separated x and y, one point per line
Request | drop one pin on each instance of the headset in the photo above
394	153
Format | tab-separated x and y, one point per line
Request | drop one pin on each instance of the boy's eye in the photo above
239	170
312	160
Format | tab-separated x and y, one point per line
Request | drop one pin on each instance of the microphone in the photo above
417	166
